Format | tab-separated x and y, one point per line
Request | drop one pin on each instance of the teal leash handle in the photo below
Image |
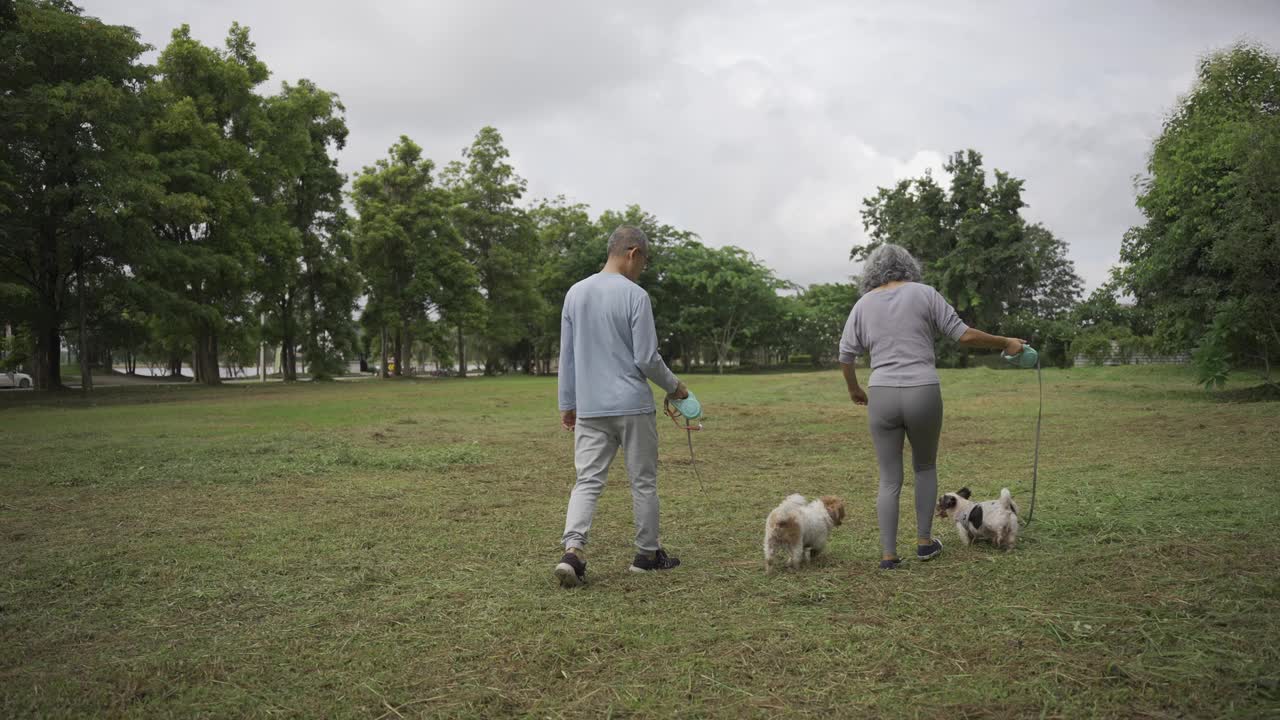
689	407
1026	359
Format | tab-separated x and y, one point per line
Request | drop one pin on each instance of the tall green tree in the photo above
570	248
1055	288
724	294
307	282
1207	260
970	238
668	301
824	308
71	170
209	139
1044	309
502	241
411	256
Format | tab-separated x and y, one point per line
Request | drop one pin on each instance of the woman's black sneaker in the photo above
660	561
930	551
572	571
889	564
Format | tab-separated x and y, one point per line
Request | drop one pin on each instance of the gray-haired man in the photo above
608	353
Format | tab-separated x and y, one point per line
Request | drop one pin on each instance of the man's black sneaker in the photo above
660	561
572	571
889	564
930	551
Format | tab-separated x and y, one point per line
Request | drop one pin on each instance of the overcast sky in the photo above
757	124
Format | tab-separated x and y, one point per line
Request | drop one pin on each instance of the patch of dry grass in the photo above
384	549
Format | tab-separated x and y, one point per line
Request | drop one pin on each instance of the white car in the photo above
14	379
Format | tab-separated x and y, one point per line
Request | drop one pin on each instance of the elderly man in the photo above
608	353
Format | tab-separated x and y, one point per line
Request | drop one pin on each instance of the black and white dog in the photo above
995	520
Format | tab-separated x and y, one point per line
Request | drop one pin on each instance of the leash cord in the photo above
1035	464
689	433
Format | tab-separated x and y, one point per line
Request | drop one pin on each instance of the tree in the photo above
1043	312
824	309
976	249
667	298
71	108
502	243
210	141
1207	260
307	282
570	248
725	294
416	273
1056	287
971	240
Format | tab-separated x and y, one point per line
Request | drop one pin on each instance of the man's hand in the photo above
858	395
681	392
1014	346
568	419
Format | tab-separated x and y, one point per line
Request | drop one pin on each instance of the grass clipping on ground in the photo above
385	549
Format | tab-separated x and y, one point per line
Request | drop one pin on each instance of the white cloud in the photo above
759	124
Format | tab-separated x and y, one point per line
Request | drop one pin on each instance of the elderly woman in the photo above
896	321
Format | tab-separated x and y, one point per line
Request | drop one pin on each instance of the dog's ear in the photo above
964	493
835	508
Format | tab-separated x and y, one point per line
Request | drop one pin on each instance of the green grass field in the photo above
384	549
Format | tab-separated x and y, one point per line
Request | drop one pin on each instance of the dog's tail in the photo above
784	533
1006	499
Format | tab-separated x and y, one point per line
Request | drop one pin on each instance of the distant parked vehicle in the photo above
14	380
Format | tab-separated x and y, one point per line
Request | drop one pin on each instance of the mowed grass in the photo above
384	549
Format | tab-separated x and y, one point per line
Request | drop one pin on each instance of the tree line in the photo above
177	213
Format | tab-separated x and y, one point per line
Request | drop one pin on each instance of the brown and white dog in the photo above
995	520
797	529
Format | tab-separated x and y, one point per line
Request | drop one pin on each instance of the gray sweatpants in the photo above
916	413
595	443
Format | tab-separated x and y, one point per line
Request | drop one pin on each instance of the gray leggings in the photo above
916	413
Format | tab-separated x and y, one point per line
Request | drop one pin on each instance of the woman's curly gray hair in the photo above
888	263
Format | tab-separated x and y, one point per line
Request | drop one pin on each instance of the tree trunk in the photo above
288	341
289	364
382	372
312	345
399	346
407	341
86	374
205	358
47	363
462	354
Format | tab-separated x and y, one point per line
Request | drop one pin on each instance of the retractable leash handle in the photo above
1028	359
690	409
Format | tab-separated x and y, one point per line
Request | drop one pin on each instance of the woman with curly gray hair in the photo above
896	321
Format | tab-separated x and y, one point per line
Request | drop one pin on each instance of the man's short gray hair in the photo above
888	263
625	238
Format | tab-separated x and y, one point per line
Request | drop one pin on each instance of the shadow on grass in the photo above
1257	393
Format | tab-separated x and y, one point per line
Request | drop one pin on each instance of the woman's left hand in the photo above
858	395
